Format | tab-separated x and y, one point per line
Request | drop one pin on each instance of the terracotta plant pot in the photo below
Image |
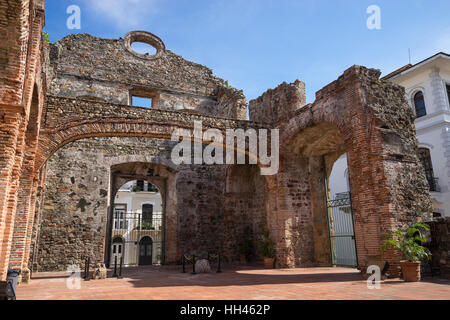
411	271
269	263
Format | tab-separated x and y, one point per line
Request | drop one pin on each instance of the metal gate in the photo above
342	236
141	236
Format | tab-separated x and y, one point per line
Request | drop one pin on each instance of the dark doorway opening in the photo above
145	251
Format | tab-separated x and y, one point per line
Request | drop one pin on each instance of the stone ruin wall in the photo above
439	245
84	66
278	104
202	215
371	121
387	180
214	204
74	215
292	203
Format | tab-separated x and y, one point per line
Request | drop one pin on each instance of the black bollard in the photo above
120	268
86	270
115	267
193	264
219	267
183	261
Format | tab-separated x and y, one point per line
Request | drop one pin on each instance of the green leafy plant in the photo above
266	245
146	225
409	242
45	37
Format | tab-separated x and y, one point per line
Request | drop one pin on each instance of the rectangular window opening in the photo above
448	93
144	102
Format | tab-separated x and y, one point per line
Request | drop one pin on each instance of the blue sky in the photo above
257	44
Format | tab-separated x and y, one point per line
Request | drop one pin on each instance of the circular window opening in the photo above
144	44
143	48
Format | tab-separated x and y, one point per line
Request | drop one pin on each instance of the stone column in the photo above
288	213
319	212
24	222
11	204
9	134
31	255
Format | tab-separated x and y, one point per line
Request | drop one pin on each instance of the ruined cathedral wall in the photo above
74	212
216	204
244	211
278	104
84	66
203	214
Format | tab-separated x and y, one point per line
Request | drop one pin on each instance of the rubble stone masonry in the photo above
69	136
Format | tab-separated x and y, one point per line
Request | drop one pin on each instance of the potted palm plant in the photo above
409	243
267	249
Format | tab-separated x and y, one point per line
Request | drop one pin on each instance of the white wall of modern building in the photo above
135	200
129	225
338	180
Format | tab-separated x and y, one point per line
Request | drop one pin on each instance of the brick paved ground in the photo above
239	283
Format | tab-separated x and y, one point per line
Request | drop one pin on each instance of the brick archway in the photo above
165	181
379	142
372	117
377	133
66	120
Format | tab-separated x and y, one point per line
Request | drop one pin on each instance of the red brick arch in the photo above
61	126
377	133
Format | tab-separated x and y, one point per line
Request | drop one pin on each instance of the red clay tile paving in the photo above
235	283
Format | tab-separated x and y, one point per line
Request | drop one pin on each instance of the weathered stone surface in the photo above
439	245
77	194
100	272
279	103
106	70
67	105
202	266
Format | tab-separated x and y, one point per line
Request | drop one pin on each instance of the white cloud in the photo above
124	14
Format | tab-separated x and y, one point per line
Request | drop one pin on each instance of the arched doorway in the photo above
146	251
117	250
137	217
324	213
340	215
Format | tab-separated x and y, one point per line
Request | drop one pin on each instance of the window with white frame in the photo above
419	104
120	216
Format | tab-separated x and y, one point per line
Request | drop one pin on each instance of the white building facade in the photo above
137	226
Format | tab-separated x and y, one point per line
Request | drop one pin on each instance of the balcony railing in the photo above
135	221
